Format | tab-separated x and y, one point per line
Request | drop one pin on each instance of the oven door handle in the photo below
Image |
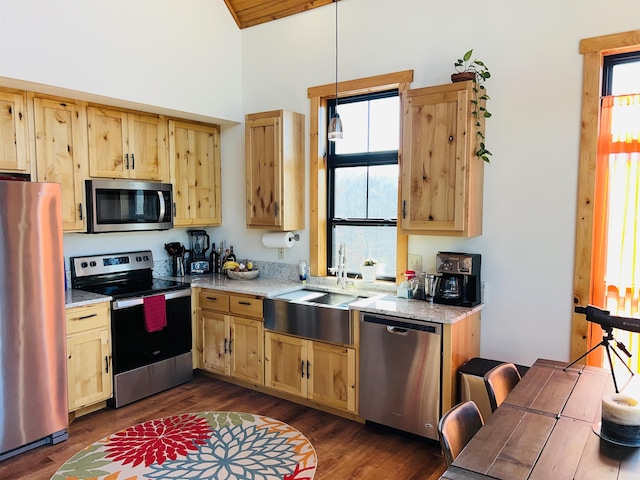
133	302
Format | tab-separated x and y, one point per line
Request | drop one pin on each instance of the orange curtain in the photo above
616	273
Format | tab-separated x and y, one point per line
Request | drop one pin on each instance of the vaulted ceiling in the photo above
248	13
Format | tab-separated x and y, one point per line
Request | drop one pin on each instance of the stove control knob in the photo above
93	264
138	259
84	264
146	258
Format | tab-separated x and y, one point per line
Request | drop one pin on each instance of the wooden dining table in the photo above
546	429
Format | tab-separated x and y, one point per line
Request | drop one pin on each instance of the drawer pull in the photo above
245	303
213	299
88	316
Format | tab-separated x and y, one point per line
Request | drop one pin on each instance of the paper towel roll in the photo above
278	240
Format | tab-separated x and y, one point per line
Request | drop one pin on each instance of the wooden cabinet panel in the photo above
194	153
319	371
333	375
441	178
283	367
215	342
61	155
88	368
213	300
247	349
88	355
126	145
274	152
14	153
245	306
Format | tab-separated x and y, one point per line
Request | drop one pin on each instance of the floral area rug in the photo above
197	446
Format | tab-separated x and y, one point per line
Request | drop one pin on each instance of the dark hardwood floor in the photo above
345	449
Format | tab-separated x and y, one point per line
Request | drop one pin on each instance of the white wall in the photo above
189	56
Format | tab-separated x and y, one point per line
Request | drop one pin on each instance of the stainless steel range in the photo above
145	361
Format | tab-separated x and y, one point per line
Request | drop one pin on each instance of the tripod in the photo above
607	336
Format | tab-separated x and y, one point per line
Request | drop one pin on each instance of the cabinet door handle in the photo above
404	209
126	160
106	364
174	209
80	211
308	369
88	316
230	344
275	209
302	369
225	346
133	162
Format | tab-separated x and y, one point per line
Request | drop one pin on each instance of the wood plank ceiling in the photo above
248	13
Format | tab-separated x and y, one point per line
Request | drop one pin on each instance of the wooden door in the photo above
283	367
107	134
263	152
436	151
332	378
194	153
13	133
147	143
88	368
61	155
247	337
215	342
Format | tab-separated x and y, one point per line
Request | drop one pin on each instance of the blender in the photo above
198	262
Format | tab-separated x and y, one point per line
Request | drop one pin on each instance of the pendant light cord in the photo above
336	56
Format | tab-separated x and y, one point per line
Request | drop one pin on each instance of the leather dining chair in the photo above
457	427
499	381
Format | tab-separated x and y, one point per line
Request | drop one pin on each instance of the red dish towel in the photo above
155	313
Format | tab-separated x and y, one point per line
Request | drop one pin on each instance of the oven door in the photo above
134	347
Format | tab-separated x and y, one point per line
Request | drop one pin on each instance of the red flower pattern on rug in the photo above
156	441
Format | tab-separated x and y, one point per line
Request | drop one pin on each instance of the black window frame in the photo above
611	61
389	157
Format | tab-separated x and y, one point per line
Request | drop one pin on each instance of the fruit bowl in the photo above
250	275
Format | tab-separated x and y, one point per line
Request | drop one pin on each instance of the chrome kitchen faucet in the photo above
341	269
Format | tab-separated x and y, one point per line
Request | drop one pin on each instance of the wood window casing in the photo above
594	50
318	168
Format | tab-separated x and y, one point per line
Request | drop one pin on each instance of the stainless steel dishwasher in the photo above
400	373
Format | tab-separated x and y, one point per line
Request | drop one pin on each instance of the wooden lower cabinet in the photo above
88	355
314	370
231	345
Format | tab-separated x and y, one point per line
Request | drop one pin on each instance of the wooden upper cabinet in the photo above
274	150
194	157
14	156
126	145
61	154
442	179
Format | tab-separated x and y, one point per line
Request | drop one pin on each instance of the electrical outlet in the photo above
281	254
414	262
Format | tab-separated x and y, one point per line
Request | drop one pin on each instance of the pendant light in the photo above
335	124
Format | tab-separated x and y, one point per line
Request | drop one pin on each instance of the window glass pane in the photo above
626	78
350	194
383	191
355	127
365	242
384	129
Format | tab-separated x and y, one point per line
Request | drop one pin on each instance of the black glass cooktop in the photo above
135	288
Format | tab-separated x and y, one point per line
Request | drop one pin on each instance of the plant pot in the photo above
462	76
368	272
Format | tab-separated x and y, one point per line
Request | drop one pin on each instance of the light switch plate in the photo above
414	262
281	253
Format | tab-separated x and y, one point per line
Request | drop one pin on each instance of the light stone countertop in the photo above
380	302
80	298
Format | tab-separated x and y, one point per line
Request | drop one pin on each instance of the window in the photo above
363	182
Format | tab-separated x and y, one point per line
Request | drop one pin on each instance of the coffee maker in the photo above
458	281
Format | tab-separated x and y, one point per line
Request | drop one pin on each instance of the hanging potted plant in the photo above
368	269
476	71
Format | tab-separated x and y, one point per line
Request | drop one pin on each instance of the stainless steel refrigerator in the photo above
33	379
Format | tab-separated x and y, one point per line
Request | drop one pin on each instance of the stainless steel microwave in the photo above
127	205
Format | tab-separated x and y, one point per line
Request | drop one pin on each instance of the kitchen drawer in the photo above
246	306
213	300
88	317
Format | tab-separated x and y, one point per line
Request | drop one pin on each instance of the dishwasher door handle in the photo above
397	331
